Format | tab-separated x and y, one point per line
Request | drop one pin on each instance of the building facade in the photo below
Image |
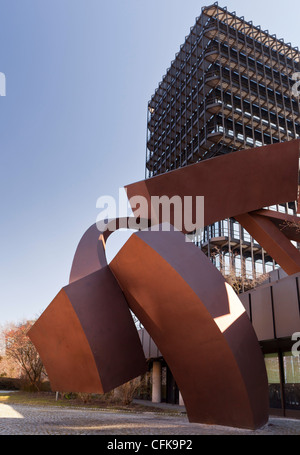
274	310
230	88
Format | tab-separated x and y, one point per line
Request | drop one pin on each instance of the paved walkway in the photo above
165	406
38	420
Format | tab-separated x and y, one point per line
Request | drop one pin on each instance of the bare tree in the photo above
21	350
126	392
290	225
240	282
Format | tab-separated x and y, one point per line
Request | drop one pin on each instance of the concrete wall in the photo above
274	308
151	351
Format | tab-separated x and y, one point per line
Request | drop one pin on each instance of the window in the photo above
238	265
227	265
273	372
236	231
259	267
291	366
247	237
249	268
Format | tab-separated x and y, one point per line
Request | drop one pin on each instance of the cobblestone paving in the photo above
35	420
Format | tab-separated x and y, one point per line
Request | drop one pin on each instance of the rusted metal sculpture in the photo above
199	325
87	338
232	184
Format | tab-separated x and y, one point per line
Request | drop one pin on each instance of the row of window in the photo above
283	370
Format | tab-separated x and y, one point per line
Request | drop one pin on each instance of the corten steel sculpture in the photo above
194	317
87	338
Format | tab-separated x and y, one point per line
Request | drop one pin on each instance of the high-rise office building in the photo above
228	88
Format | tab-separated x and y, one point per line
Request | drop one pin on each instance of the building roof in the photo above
232	20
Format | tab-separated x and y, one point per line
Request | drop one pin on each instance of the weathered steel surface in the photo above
273	240
87	338
199	325
232	184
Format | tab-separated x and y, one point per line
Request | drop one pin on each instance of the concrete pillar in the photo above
156	382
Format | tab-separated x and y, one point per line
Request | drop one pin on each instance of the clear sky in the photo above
73	124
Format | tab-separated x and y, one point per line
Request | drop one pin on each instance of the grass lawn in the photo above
95	402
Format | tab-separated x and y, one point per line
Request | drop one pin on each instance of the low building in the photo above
274	310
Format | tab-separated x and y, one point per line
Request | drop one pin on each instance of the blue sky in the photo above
73	124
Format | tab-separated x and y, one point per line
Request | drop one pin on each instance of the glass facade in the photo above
273	372
229	88
291	366
283	370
